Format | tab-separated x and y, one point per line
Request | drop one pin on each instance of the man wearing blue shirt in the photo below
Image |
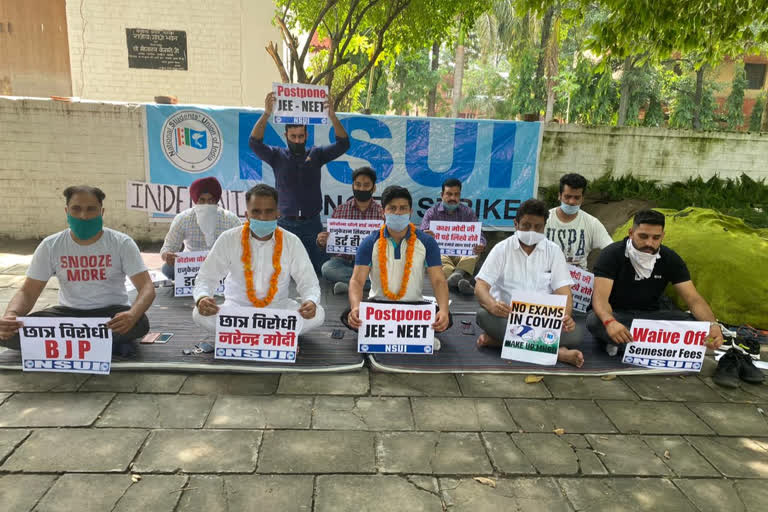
298	175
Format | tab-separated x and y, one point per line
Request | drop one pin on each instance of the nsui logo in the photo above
549	337
191	141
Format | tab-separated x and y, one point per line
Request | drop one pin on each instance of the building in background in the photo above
756	68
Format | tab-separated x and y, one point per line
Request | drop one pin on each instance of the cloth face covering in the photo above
397	222
642	262
362	195
570	209
207	216
262	228
530	237
85	229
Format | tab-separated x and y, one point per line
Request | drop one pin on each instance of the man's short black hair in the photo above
651	217
395	192
84	189
451	182
573	180
295	126
533	207
261	190
364	171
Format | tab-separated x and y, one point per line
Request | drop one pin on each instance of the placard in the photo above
456	238
582	288
185	271
156	49
257	334
170	200
667	345
300	103
396	328
63	344
533	327
345	235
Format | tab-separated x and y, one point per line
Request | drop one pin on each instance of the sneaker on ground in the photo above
748	346
728	369
748	372
340	288
612	349
453	279
435	345
466	288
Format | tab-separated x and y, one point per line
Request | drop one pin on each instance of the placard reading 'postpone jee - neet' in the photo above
582	288
533	328
300	104
72	345
396	328
257	334
667	345
345	235
185	270
456	238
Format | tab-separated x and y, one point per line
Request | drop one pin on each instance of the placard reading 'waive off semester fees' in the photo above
257	334
456	238
345	235
71	345
300	104
185	271
396	328
667	345
533	328
583	286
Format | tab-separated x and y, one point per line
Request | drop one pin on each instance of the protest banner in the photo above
533	328
667	345
456	238
72	345
185	271
164	202
345	235
582	288
300	103
396	328
257	334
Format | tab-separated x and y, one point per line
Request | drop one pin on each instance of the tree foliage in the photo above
734	105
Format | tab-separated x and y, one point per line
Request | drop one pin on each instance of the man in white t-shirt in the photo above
574	230
91	263
528	262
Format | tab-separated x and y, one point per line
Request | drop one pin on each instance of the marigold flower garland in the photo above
245	241
408	263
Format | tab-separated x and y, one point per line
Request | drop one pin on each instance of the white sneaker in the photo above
612	349
435	345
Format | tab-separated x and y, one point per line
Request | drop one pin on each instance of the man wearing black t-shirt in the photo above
630	278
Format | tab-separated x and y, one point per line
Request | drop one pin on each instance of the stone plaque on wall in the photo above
156	49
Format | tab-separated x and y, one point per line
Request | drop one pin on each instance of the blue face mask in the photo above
397	222
451	207
85	229
262	228
569	209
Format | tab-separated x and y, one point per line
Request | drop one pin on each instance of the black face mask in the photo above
297	148
362	195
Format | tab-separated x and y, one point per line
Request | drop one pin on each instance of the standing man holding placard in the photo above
91	263
394	258
526	262
197	228
630	278
259	260
298	175
362	206
574	230
458	270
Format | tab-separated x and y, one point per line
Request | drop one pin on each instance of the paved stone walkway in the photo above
375	442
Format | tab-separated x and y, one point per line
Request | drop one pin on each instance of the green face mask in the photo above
85	229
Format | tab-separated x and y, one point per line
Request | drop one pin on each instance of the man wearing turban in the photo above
198	227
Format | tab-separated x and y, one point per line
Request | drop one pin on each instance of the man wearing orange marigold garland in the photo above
259	260
394	257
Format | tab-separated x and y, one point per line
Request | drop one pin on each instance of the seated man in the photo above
458	270
197	227
91	263
259	260
574	230
630	278
362	206
395	267
526	262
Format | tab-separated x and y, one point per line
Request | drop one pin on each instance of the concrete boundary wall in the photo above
47	145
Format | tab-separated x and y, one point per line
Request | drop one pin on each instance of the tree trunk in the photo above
625	92
432	99
550	104
697	98
764	117
458	73
546	28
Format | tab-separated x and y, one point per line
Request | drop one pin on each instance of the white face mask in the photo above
642	262
530	237
206	218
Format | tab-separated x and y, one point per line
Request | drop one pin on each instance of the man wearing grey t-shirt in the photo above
91	263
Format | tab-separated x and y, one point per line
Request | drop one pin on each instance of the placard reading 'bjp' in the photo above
345	235
300	103
396	328
456	238
257	334
533	328
583	286
72	345
185	271
667	345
